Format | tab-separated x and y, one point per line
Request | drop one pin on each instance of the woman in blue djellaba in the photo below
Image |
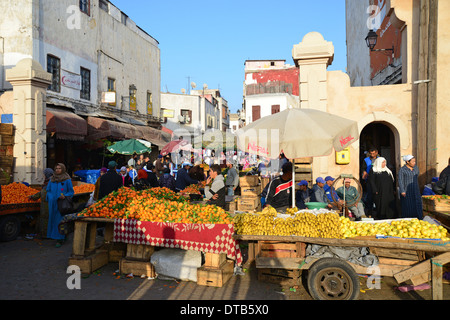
59	187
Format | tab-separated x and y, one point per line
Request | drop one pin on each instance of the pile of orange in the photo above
156	205
84	188
192	189
15	193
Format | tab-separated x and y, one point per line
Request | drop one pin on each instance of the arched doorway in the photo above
381	136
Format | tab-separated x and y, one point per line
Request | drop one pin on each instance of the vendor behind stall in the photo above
183	178
279	193
303	195
217	192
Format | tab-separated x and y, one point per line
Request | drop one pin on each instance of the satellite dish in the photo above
193	85
205	86
183	91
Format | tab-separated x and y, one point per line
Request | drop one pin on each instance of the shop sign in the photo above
71	80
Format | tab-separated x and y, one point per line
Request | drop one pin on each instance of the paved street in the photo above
36	270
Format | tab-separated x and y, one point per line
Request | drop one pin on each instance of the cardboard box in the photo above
249	181
248	204
251	192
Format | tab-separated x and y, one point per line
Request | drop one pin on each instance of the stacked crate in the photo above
250	199
304	170
6	152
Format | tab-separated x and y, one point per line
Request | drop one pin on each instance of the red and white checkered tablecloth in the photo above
207	238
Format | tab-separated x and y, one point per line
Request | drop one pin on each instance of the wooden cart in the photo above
418	261
11	217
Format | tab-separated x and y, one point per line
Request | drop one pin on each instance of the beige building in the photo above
413	115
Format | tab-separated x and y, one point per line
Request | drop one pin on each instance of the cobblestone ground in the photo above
36	270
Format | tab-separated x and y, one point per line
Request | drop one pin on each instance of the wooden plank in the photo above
396	253
79	238
436	280
398	262
421	268
91	236
419	245
280	263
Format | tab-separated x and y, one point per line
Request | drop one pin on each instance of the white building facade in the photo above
91	48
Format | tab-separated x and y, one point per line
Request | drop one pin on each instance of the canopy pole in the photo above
293	184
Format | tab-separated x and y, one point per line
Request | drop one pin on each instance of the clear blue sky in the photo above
209	41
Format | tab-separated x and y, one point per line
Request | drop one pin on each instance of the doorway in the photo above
380	136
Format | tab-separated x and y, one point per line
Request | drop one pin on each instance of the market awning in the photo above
101	128
66	125
155	136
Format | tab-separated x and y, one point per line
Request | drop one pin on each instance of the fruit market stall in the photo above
145	221
406	249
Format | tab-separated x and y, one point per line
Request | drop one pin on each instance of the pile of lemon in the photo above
303	223
411	228
328	224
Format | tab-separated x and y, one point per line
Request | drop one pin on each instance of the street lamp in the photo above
371	41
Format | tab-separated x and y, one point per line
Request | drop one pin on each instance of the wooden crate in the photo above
90	263
282	277
139	252
116	251
278	249
440	205
251	192
249	181
264	182
6	161
308	160
214	260
6	151
6	140
215	277
6	129
231	206
137	268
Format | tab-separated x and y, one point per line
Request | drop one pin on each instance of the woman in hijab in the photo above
381	182
408	183
59	187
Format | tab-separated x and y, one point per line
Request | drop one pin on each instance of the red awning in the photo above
66	125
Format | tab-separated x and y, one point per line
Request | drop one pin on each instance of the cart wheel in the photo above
333	279
9	228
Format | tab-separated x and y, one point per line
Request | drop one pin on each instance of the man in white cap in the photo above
408	184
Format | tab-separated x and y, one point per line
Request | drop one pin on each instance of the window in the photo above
256	113
112	88
149	103
54	67
187	115
85	6
124	18
133	101
85	84
275	109
103	4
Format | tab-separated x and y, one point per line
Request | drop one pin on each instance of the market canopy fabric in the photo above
298	133
99	128
130	147
66	125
